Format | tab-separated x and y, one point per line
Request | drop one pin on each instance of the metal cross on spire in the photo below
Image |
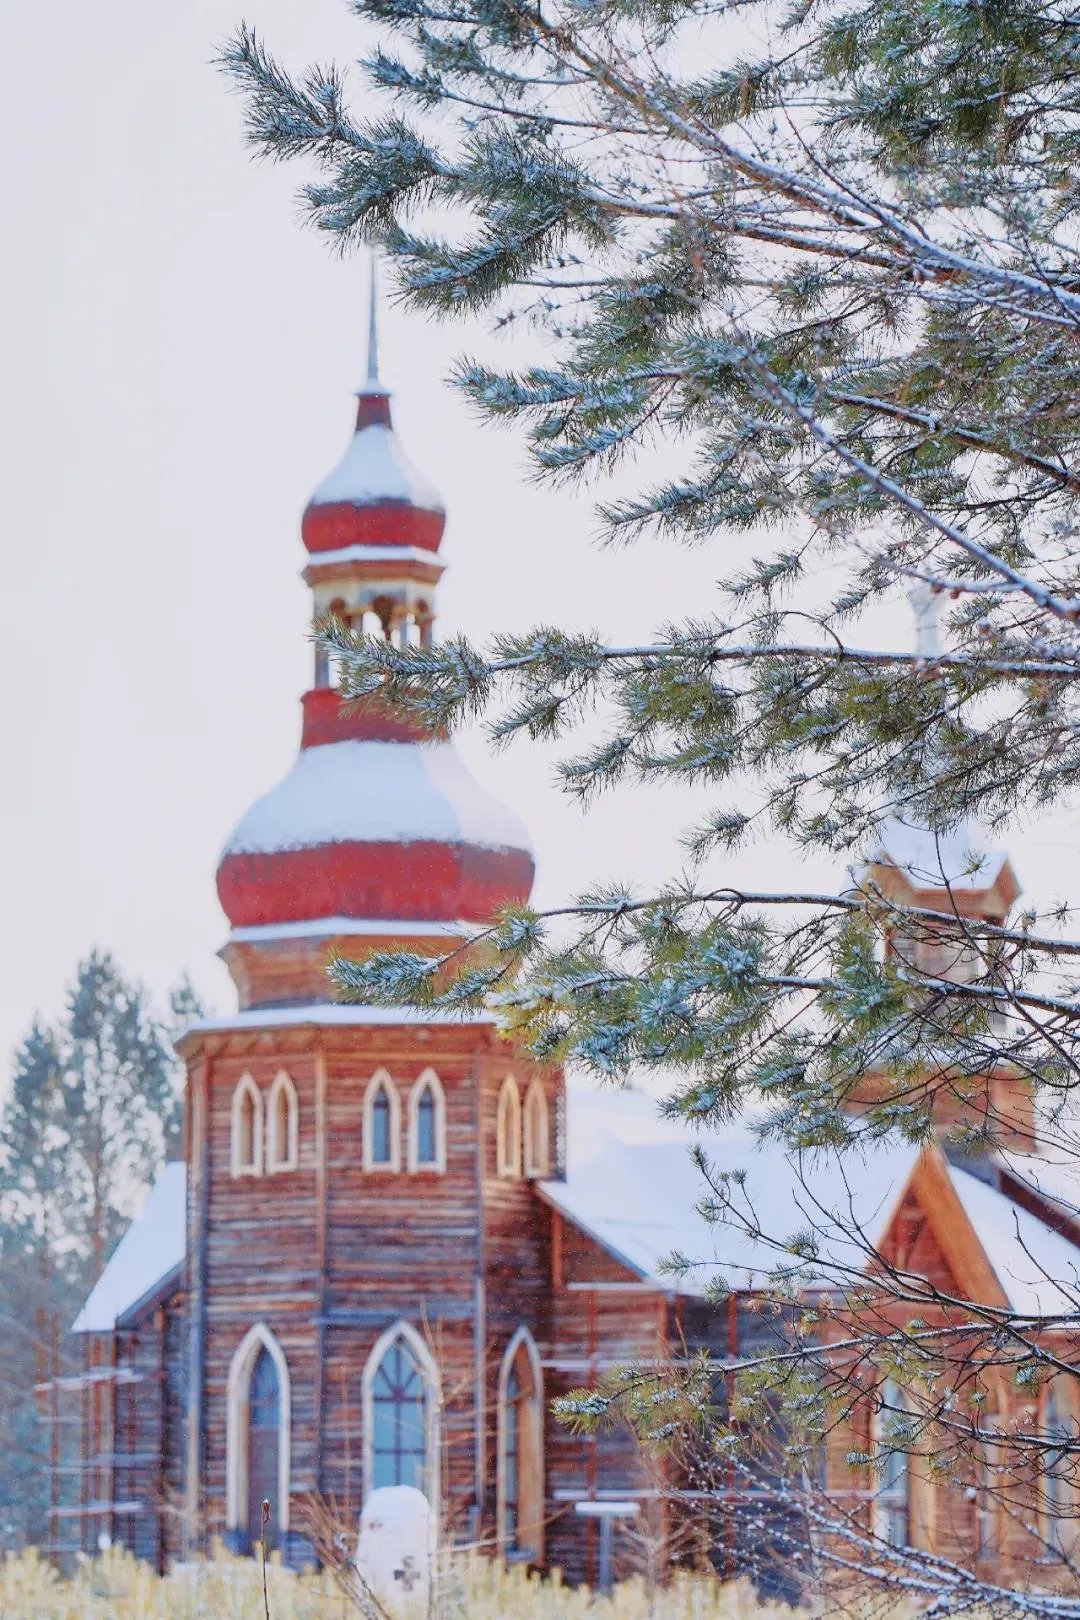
373	320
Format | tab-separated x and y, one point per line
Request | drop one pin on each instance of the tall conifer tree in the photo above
91	1114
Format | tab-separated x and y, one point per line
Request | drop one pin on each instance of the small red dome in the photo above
374	496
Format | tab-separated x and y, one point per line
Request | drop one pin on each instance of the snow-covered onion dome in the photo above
374	496
373	831
378	830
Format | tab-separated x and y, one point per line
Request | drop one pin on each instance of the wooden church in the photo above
394	1240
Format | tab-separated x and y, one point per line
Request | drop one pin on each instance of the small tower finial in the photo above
373	320
926	602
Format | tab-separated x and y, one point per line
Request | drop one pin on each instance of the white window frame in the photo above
241	1367
888	1496
521	1337
432	1414
246	1091
382	1078
427	1081
508	1166
537	1152
276	1159
1056	1491
987	1517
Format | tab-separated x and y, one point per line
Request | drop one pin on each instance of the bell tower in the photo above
363	1242
943	891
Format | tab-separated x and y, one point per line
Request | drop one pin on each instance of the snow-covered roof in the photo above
942	860
328	1014
1054	1173
631	1185
149	1252
640	1198
373	469
1039	1270
376	792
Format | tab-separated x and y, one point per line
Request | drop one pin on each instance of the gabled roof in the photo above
915	862
148	1254
1038	1268
640	1198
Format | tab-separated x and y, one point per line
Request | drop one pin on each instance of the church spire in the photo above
373	381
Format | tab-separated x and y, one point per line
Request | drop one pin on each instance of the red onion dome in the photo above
374	496
374	830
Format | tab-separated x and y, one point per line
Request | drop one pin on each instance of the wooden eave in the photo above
162	1290
609	1248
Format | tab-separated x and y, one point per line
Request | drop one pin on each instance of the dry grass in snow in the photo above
115	1587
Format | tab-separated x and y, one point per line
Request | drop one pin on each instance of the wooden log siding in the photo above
328	1255
601	1314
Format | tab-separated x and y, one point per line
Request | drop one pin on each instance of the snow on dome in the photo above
376	792
374	469
374	829
149	1251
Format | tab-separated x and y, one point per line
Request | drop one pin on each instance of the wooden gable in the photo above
930	1235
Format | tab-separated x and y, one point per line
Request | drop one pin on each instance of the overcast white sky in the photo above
178	359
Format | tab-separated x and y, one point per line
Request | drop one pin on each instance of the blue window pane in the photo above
399	1420
425	1129
263	1403
380	1128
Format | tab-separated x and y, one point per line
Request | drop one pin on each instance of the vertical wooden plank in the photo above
322	1261
199	1215
110	1436
162	1427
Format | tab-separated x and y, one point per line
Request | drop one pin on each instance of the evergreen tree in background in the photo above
91	1115
824	256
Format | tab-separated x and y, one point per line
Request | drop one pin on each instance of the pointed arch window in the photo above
246	1137
537	1130
1057	1475
892	1504
520	1478
257	1442
987	1472
427	1124
508	1129
401	1413
282	1125
382	1124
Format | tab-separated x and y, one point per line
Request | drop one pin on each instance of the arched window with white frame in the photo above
1057	1464
508	1130
537	1130
246	1135
382	1124
520	1476
427	1124
258	1439
401	1414
987	1478
892	1502
282	1125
